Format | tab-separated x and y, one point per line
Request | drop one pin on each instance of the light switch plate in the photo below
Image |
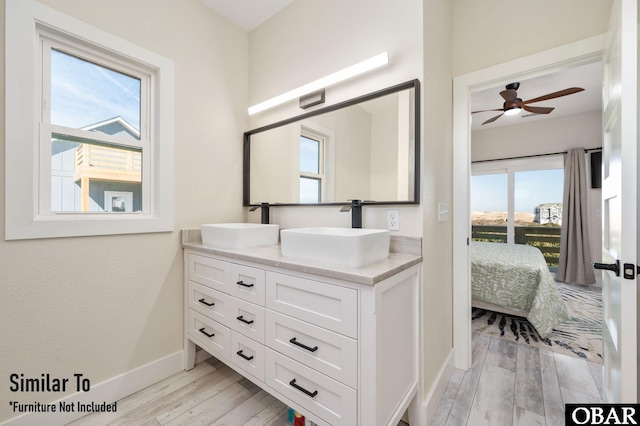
443	212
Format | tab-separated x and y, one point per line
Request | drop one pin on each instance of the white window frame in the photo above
321	150
28	136
326	173
510	168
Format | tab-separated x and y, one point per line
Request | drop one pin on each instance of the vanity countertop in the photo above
405	252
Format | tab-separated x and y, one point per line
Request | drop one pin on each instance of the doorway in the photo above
579	53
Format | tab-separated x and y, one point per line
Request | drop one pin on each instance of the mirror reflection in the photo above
363	149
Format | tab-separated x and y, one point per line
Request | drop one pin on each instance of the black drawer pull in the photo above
301	389
205	333
248	358
241	318
310	349
204	302
243	284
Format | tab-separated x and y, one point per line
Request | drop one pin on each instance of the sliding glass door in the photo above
519	201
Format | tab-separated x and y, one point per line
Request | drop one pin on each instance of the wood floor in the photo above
210	394
516	384
508	384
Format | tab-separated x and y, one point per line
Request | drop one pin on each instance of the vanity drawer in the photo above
325	305
323	396
210	272
248	355
330	353
247	318
209	334
247	283
209	302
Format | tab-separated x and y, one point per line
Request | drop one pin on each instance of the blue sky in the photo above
489	192
83	93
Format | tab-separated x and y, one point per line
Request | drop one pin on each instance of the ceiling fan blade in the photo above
485	110
538	110
491	120
509	95
560	93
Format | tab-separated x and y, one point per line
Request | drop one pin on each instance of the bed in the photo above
515	279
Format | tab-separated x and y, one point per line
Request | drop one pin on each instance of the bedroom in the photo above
517	163
525	140
517	167
531	136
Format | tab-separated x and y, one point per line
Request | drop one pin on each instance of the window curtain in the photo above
575	254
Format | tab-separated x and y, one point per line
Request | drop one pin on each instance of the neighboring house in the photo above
90	177
548	213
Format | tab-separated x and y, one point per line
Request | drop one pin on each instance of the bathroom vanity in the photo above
338	344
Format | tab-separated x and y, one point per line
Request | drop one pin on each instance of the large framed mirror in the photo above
366	148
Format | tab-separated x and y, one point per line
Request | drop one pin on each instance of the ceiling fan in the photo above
513	104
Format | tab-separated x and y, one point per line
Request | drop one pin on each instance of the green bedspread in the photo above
517	276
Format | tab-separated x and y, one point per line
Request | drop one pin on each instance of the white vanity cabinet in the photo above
341	352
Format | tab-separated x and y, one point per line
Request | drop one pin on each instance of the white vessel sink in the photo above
350	247
238	235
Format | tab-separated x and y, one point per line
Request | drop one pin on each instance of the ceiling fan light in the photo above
513	111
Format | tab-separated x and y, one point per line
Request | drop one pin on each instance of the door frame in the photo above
547	62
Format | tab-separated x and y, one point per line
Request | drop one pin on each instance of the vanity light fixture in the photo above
336	77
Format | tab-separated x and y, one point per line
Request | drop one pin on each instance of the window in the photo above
93	123
311	167
316	163
519	202
89	131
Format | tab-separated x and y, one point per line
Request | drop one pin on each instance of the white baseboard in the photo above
109	391
430	403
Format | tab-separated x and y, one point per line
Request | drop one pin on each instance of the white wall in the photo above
437	297
352	129
548	136
538	137
312	38
102	306
491	32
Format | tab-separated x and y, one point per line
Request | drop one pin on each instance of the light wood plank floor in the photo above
210	394
508	384
516	384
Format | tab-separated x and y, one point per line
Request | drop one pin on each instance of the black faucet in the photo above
356	213
264	210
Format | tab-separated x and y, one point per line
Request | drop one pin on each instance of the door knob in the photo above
615	267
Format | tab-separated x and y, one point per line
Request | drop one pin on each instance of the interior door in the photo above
619	239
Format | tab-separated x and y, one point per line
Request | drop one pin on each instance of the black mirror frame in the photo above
246	163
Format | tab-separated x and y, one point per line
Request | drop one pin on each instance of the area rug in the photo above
580	337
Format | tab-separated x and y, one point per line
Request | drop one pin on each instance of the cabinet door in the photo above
247	283
325	305
327	398
212	273
209	302
326	351
209	334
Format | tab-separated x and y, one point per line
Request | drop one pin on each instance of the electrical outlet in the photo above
393	220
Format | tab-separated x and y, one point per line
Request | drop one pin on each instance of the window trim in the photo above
326	174
23	185
320	176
